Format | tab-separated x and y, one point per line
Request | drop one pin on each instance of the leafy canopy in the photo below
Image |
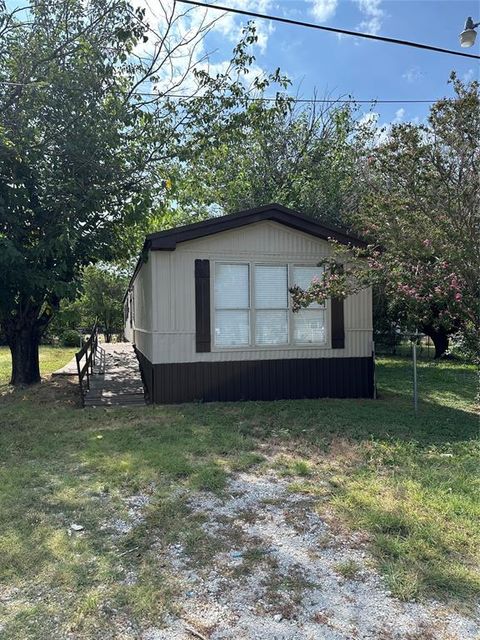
421	214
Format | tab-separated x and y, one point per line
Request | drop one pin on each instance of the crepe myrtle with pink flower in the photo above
421	216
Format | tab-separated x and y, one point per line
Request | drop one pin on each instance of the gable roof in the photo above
168	240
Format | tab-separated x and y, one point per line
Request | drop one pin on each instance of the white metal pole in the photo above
415	391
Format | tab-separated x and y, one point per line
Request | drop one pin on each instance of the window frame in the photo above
291	345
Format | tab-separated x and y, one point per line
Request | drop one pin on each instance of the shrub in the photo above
71	338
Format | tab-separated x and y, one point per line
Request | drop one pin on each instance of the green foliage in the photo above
421	214
68	317
424	183
85	155
71	338
103	288
70	157
304	159
58	181
214	129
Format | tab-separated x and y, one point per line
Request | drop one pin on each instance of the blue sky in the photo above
340	66
335	65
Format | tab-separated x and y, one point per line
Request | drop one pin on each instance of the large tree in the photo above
303	157
421	215
69	154
86	126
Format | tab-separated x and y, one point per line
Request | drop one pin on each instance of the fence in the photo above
85	361
399	344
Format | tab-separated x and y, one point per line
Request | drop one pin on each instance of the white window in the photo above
309	323
271	304
232	305
263	316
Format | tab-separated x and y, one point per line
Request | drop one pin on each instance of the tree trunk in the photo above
23	345
439	338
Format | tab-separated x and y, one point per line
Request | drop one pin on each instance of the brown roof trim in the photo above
168	240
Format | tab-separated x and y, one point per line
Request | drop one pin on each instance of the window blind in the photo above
271	304
231	286
309	323
309	326
232	301
262	317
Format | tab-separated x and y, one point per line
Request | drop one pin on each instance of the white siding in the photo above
143	291
164	292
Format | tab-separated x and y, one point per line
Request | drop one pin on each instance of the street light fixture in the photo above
468	35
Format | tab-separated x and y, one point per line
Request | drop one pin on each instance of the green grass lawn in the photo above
51	358
411	484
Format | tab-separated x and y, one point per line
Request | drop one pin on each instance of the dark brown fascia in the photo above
168	240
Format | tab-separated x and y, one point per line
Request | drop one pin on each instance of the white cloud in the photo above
412	75
470	75
373	15
399	115
381	130
323	10
370	122
186	41
214	68
230	25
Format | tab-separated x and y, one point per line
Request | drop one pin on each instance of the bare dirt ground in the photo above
285	573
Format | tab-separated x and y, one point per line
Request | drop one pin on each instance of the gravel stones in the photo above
281	582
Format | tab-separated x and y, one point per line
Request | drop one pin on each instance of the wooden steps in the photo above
118	383
119	400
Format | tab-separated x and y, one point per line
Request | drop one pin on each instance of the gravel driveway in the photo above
288	574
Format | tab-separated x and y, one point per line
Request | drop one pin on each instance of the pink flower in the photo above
458	296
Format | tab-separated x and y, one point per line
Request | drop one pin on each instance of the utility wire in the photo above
264	98
310	25
306	100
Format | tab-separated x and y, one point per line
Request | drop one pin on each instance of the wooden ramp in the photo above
116	379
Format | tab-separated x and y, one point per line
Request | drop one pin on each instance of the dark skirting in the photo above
258	379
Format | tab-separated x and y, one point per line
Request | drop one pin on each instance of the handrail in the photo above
88	351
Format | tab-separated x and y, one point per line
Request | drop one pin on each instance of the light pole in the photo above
468	35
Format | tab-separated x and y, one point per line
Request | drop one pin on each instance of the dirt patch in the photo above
51	391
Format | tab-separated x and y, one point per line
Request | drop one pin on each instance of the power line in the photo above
266	99
306	100
310	25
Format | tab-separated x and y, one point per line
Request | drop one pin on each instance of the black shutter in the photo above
338	322
202	306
